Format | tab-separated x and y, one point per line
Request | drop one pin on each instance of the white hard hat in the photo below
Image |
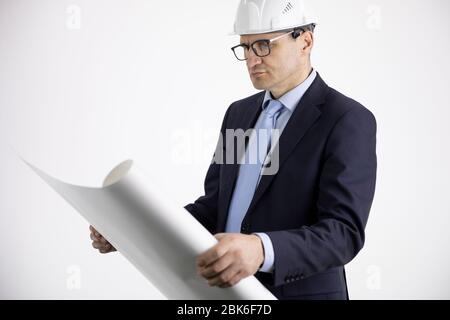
265	16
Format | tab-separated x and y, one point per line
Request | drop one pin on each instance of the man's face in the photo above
286	61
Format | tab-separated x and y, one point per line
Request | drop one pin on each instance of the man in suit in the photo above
296	228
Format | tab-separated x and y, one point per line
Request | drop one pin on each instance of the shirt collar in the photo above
291	98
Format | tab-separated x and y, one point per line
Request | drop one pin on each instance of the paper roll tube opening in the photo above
118	173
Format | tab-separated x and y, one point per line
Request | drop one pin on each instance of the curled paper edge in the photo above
158	238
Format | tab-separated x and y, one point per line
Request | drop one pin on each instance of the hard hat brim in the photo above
234	33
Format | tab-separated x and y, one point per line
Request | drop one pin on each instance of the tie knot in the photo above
273	107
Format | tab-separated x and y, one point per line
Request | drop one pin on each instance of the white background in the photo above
87	84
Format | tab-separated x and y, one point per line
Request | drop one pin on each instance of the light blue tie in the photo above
249	171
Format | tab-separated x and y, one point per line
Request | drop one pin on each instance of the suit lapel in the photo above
304	116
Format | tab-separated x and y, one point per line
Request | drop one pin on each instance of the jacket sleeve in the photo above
346	190
204	209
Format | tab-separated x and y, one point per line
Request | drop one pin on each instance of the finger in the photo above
109	247
94	231
93	237
224	276
235	280
98	245
103	240
211	255
217	267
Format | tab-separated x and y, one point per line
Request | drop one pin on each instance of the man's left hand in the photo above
234	258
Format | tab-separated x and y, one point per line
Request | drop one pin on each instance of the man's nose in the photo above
252	59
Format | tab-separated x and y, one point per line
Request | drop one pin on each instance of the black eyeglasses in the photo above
260	47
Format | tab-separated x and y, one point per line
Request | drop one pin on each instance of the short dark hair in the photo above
309	27
298	31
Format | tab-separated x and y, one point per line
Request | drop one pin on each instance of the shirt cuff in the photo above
269	256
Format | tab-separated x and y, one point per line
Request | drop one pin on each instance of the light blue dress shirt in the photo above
290	100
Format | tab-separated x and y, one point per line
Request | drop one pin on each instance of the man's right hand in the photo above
99	242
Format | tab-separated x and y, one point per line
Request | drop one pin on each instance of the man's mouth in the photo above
257	73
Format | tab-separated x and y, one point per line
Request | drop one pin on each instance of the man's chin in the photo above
259	85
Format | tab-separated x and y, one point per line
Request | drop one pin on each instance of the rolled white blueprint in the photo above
160	239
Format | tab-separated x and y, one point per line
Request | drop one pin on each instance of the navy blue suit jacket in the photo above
316	207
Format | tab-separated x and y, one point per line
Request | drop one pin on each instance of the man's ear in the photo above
308	38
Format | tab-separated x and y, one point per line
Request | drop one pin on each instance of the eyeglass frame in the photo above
267	41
